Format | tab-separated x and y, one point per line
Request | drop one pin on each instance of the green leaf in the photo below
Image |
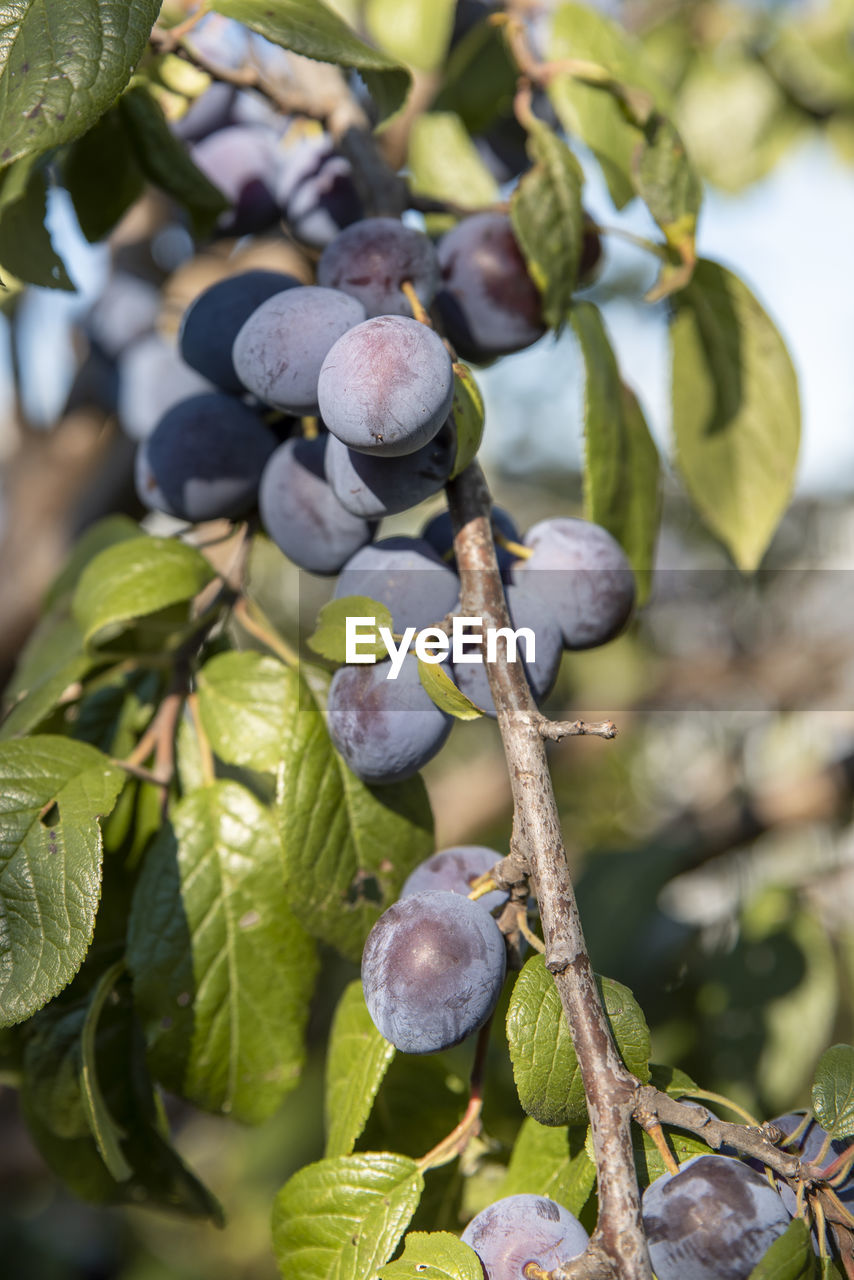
547	218
434	1255
358	1058
26	251
348	847
469	416
222	969
60	683
417	32
480	78
105	1131
165	161
548	1079
340	1219
649	1164
833	1091
445	164
62	65
105	533
53	1105
665	180
445	693
134	578
241	700
310	28
790	1257
102	176
621	467
671	1080
593	115
329	637
52	794
736	413
551	1162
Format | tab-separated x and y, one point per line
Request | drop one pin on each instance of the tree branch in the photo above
618	1246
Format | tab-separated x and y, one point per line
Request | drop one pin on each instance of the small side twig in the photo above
556	730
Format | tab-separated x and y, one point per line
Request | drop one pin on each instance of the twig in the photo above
556	730
618	1246
263	631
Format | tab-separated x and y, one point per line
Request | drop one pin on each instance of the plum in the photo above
520	1229
374	487
386	386
372	258
214	318
279	350
301	513
432	971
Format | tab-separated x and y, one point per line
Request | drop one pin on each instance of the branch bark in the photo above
618	1245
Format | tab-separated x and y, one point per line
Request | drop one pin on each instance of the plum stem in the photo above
419	312
458	1139
251	618
653	1127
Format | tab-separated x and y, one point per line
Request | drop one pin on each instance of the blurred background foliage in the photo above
713	843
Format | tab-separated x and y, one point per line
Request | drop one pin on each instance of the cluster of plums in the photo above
432	970
375	386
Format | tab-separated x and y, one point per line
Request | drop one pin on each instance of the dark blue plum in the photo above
220	42
214	318
212	110
375	487
204	459
371	260
454	870
386	386
407	576
152	379
316	191
301	513
279	350
526	610
713	1220
439	532
432	971
517	1230
125	312
585	575
242	161
489	304
386	730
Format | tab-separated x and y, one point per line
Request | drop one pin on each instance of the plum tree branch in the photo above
618	1246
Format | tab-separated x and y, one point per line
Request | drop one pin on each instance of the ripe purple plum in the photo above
454	871
301	513
526	609
713	1220
213	320
153	379
512	1233
242	160
585	574
279	350
386	730
316	191
432	971
488	302
371	260
407	576
386	386
375	487
204	459
212	110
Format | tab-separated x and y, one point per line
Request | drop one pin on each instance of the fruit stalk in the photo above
618	1245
